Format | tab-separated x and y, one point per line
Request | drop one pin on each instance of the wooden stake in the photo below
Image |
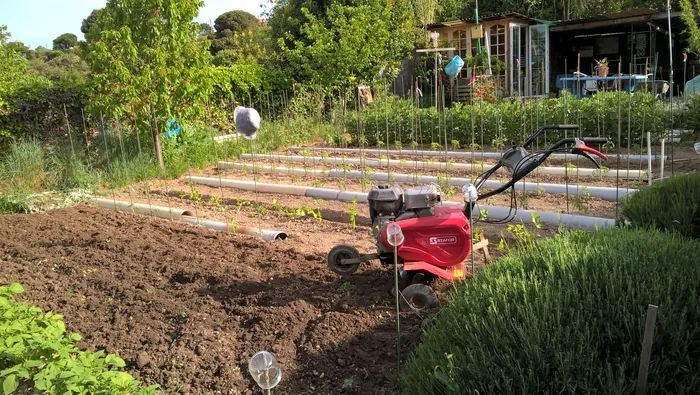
646	350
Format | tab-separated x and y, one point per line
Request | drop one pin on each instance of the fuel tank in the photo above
443	239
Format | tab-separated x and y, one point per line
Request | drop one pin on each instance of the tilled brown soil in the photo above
187	307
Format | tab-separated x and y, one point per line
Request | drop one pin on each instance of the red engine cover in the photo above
442	240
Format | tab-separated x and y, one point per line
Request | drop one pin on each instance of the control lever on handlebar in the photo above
580	148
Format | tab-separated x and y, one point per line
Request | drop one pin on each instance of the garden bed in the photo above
186	307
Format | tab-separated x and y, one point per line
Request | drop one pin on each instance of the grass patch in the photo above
567	316
672	205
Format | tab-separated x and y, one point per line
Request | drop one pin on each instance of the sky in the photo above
38	22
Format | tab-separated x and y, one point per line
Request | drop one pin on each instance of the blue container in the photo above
454	67
173	129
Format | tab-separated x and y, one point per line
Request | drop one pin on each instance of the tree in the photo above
236	21
205	29
89	22
690	16
146	61
65	42
345	42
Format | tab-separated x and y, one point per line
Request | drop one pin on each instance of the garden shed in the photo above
520	42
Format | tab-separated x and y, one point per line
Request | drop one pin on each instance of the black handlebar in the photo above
527	164
548	127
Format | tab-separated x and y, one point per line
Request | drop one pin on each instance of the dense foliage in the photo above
671	205
343	41
567	316
507	121
65	41
38	356
552	10
146	61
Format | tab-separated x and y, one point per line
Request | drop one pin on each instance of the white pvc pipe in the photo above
316	193
145	209
267	235
605	193
565	220
494	213
663	149
556	171
457	154
649	157
185	216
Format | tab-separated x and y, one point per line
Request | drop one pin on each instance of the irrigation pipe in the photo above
174	214
555	171
494	213
605	193
456	154
185	216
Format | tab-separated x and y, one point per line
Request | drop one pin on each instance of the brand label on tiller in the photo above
443	240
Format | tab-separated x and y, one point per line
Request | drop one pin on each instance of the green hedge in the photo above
672	204
567	316
37	356
511	120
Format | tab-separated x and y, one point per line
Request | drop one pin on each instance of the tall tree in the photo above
65	42
89	22
147	60
236	21
346	41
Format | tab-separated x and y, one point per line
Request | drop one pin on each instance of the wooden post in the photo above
646	350
156	141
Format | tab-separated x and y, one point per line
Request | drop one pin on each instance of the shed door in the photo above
538	70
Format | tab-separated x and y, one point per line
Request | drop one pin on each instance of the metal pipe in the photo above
495	213
227	137
456	154
609	194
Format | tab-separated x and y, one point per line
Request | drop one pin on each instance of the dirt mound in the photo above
186	307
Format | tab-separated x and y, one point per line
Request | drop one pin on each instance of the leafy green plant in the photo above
521	234
536	220
500	325
579	203
352	213
435	146
195	195
37	352
672	205
455	144
499	142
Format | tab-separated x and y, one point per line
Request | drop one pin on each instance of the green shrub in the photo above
36	353
566	316
672	204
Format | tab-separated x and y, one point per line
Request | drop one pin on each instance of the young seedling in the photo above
536	220
499	142
455	144
352	213
434	146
